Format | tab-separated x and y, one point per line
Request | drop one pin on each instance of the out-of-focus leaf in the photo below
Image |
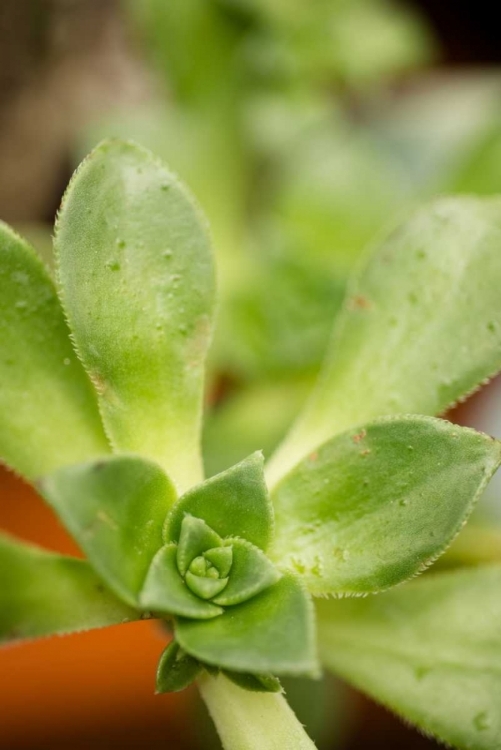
115	508
338	189
48	411
429	650
272	632
421	326
43	594
480	171
376	505
278	321
137	279
236	428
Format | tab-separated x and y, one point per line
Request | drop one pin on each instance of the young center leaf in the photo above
233	503
115	508
137	281
430	651
42	593
375	505
420	329
48	410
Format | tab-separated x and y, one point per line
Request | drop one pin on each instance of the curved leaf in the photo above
431	651
48	410
137	279
375	505
115	508
251	572
165	591
195	537
272	632
421	326
233	503
42	594
176	670
255	683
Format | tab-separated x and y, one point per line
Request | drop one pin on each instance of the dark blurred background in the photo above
66	68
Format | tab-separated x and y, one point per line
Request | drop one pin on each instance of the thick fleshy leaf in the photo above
137	279
221	558
195	538
48	410
165	591
252	721
205	587
233	503
176	669
421	327
375	505
42	593
115	508
256	683
272	632
251	572
429	650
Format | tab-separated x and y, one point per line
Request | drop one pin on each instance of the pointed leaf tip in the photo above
379	503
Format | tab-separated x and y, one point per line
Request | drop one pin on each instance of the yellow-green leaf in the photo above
42	594
377	504
48	410
137	279
430	650
420	329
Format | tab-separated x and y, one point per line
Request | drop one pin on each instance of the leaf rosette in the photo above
107	374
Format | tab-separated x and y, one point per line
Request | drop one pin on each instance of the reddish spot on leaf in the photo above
359	436
359	302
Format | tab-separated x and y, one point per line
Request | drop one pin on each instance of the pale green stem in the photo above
252	721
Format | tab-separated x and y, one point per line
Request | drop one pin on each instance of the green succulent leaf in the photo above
176	669
251	573
377	504
420	329
272	632
48	410
42	594
115	508
195	538
165	592
233	503
256	683
221	558
137	278
429	650
204	586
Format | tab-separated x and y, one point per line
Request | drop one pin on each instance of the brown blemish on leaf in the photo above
359	302
99	383
313	456
359	436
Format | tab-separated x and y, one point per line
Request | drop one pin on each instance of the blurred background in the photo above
306	128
